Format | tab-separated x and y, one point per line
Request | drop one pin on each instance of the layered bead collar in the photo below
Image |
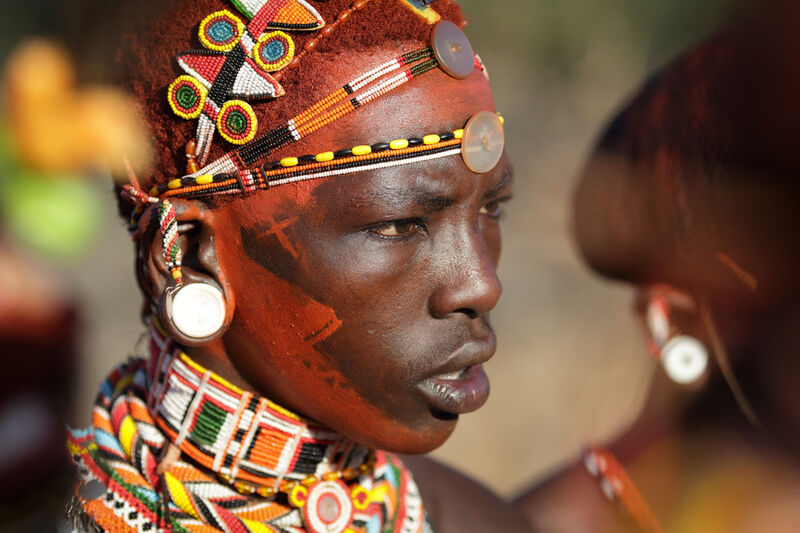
174	447
249	441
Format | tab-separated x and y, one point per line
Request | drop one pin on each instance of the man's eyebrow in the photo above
505	182
425	198
421	197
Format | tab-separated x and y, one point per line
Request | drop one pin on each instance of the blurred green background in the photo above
571	367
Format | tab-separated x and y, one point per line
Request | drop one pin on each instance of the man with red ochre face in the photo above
320	267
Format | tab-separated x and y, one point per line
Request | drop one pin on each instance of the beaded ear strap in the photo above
292	169
167	223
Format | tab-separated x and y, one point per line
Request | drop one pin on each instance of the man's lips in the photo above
464	394
460	385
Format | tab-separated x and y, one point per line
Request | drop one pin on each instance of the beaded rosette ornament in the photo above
236	66
175	447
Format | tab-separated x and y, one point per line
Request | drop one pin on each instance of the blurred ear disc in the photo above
453	51
483	142
684	359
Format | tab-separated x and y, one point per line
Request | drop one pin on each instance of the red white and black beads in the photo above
236	66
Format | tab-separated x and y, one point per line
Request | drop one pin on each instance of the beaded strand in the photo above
323	113
169	239
618	486
318	116
288	169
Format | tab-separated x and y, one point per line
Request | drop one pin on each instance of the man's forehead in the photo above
434	184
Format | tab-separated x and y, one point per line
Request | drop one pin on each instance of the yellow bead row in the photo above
365	149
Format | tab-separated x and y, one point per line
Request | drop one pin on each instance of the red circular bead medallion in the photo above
186	97
328	507
237	122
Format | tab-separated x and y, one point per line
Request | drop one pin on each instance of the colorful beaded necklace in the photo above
163	429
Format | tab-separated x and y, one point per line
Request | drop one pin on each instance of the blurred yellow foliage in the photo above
57	127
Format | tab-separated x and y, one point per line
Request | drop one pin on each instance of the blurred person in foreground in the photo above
54	133
692	195
316	247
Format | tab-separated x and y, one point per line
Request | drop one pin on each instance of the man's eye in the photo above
493	209
397	228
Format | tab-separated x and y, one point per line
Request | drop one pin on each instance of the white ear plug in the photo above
197	310
684	359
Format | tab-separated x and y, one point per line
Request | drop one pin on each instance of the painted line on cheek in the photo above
325	331
276	228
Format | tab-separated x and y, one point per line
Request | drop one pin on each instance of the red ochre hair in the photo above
150	41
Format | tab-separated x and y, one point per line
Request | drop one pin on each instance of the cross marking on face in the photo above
276	228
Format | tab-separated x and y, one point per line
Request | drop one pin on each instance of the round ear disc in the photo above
684	359
453	51
483	142
197	310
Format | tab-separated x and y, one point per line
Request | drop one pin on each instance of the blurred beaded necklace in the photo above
617	486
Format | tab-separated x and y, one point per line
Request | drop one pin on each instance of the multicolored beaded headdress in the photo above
245	58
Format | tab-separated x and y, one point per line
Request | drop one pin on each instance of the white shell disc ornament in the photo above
483	142
197	310
453	51
328	508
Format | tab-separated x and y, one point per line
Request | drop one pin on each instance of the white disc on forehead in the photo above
198	310
483	142
684	359
452	50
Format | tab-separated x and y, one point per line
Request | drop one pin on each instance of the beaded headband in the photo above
246	61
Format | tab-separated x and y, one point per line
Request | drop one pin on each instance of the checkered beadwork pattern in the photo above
123	488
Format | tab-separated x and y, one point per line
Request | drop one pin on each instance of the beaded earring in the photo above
195	311
683	357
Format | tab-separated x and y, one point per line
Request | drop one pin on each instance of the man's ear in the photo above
196	237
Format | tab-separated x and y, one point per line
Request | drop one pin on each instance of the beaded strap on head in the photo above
311	166
373	84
